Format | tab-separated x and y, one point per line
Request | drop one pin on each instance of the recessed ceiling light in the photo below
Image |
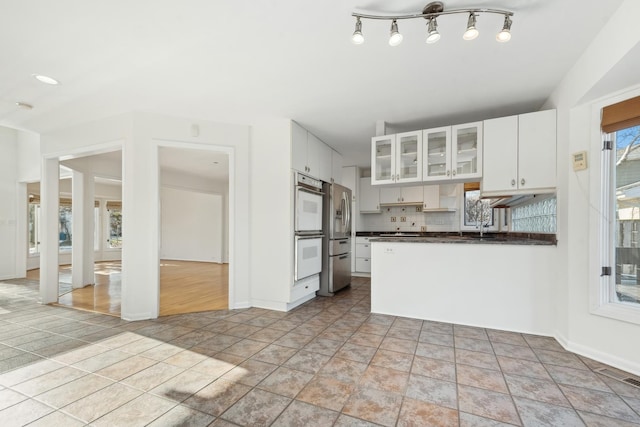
24	106
46	79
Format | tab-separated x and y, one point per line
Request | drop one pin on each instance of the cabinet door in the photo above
436	154
383	168
336	168
409	157
500	157
369	196
298	148
318	158
537	151
389	195
411	195
466	152
431	197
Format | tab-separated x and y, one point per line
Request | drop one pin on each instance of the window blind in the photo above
622	115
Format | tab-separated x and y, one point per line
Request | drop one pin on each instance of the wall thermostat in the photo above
579	160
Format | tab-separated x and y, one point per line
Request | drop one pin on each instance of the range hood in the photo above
507	202
419	205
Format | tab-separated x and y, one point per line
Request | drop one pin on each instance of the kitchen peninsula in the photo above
489	282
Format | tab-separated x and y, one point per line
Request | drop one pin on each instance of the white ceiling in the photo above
240	61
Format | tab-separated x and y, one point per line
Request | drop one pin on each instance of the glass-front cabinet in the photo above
396	158
383	168
452	152
466	155
436	154
409	157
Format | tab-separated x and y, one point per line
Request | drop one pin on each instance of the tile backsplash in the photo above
391	220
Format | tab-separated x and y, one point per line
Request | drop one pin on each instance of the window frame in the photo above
602	301
497	217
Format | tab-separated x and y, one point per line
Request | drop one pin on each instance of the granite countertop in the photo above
467	238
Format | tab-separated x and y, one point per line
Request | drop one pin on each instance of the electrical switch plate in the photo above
579	160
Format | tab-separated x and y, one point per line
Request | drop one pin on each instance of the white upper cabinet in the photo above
309	154
401	195
466	152
537	151
299	148
396	158
336	168
383	165
409	157
520	154
452	152
369	197
436	154
318	158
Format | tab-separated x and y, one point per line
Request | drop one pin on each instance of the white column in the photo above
82	255
140	228
49	233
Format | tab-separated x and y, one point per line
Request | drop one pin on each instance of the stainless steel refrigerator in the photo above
336	246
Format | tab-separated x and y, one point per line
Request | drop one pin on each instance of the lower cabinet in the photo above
363	255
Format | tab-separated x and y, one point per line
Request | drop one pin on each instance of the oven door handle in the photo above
310	191
312	236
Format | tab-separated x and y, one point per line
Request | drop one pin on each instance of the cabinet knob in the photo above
425	205
513	182
522	181
454	172
402	199
448	172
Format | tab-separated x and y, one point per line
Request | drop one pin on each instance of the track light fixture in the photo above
357	37
395	38
433	34
505	35
471	32
430	12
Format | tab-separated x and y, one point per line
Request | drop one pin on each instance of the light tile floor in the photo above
328	363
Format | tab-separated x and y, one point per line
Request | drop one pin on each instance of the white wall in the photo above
578	329
271	231
140	136
28	156
191	225
186	181
8	206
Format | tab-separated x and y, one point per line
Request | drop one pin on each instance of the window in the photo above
65	228
477	210
625	200
34	227
114	210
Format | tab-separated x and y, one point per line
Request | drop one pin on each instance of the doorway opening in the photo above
194	230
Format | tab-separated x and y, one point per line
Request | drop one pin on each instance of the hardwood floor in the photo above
185	287
188	287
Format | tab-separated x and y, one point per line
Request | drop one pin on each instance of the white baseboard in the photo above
132	317
269	305
631	366
240	305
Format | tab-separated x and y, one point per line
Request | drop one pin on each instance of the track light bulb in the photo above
471	32
395	38
433	34
357	37
505	35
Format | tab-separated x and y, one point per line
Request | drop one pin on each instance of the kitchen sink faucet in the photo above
479	216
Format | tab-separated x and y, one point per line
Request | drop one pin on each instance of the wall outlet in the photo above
403	219
423	228
393	219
